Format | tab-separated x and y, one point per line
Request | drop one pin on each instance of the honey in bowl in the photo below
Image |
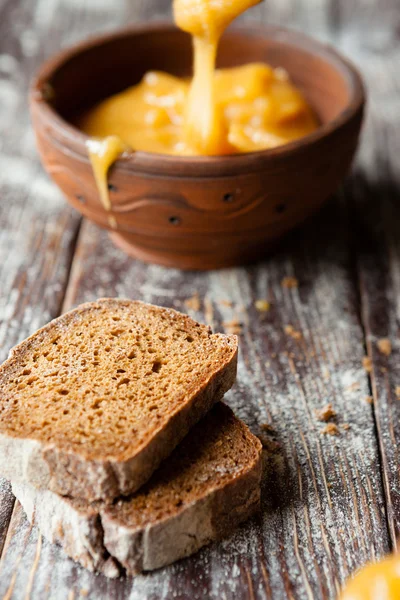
256	108
219	112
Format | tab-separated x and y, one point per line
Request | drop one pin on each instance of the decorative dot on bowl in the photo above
229	197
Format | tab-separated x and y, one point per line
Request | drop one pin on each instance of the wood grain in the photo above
324	510
375	194
37	230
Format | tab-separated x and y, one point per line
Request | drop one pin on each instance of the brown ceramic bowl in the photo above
204	212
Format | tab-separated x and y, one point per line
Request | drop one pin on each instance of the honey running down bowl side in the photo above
201	212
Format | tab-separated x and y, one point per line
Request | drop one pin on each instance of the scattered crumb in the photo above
289	282
330	429
289	330
60	531
84	592
226	303
369	399
397	391
234	326
353	387
208	311
326	413
267	427
273	355
325	373
262	305
269	445
384	346
345	426
193	303
367	364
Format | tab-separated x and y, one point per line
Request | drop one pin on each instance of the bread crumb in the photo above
193	303
290	330
84	592
226	303
325	373
384	346
369	399
345	426
397	391
326	413
330	429
208	311
262	305
289	282
353	387
367	364
267	427
234	326
269	445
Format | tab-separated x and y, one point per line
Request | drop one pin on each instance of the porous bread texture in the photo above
93	402
209	484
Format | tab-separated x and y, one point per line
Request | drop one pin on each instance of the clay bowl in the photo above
209	212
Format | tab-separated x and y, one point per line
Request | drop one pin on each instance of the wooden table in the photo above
330	502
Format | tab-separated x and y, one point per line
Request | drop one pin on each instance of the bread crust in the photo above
68	473
211	518
95	537
78	532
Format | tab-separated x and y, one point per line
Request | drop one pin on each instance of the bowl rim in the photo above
198	166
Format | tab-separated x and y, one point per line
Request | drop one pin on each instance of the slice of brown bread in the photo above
93	402
209	484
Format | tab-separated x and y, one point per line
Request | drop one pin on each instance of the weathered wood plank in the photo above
323	509
6	507
376	194
373	195
37	230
